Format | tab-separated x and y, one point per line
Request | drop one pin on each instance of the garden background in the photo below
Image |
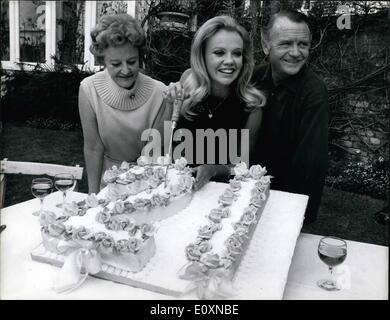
40	121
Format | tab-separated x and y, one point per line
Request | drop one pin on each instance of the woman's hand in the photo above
205	172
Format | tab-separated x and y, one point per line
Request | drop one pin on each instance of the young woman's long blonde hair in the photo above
197	83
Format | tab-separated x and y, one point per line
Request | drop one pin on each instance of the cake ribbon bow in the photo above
207	282
82	260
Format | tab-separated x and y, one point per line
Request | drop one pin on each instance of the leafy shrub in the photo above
370	178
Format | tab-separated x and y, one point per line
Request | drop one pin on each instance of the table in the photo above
23	278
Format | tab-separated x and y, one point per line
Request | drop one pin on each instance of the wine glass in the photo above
332	251
40	188
63	182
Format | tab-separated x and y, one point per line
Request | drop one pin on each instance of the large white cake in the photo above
171	245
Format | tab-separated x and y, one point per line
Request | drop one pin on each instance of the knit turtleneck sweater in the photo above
118	116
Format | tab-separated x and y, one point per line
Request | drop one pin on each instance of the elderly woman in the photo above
116	105
216	89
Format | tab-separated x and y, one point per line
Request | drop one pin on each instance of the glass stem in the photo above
41	209
63	198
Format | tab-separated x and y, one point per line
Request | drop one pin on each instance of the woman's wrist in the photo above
222	172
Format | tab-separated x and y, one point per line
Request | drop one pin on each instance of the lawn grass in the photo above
344	214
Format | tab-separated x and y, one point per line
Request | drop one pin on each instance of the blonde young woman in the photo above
116	105
216	88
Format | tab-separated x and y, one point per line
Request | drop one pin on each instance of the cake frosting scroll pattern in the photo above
114	227
210	271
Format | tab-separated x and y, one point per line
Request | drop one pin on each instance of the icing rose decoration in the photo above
119	207
122	245
192	252
56	229
211	260
235	185
134	187
175	189
258	200
241	229
241	169
134	245
110	176
157	200
139	176
144	160
227	197
186	182
130	225
71	208
248	217
129	207
153	182
159	173
142	204
147	230
257	171
148	172
107	243
129	177
204	246
133	231
81	233
207	231
163	160
103	216
226	212
81	203
251	208
92	201
118	223
103	202
260	186
124	166
180	164
99	236
216	215
68	232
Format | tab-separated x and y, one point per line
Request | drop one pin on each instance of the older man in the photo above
293	142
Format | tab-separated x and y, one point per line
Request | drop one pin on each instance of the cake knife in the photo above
177	103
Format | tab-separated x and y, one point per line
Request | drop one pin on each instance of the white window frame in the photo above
50	35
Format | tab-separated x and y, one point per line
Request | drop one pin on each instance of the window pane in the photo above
70	31
107	8
4	31
32	30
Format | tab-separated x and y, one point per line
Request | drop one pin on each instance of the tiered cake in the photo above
116	228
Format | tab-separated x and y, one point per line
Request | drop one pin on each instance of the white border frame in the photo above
50	34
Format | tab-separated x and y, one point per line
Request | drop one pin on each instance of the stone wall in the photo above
361	127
